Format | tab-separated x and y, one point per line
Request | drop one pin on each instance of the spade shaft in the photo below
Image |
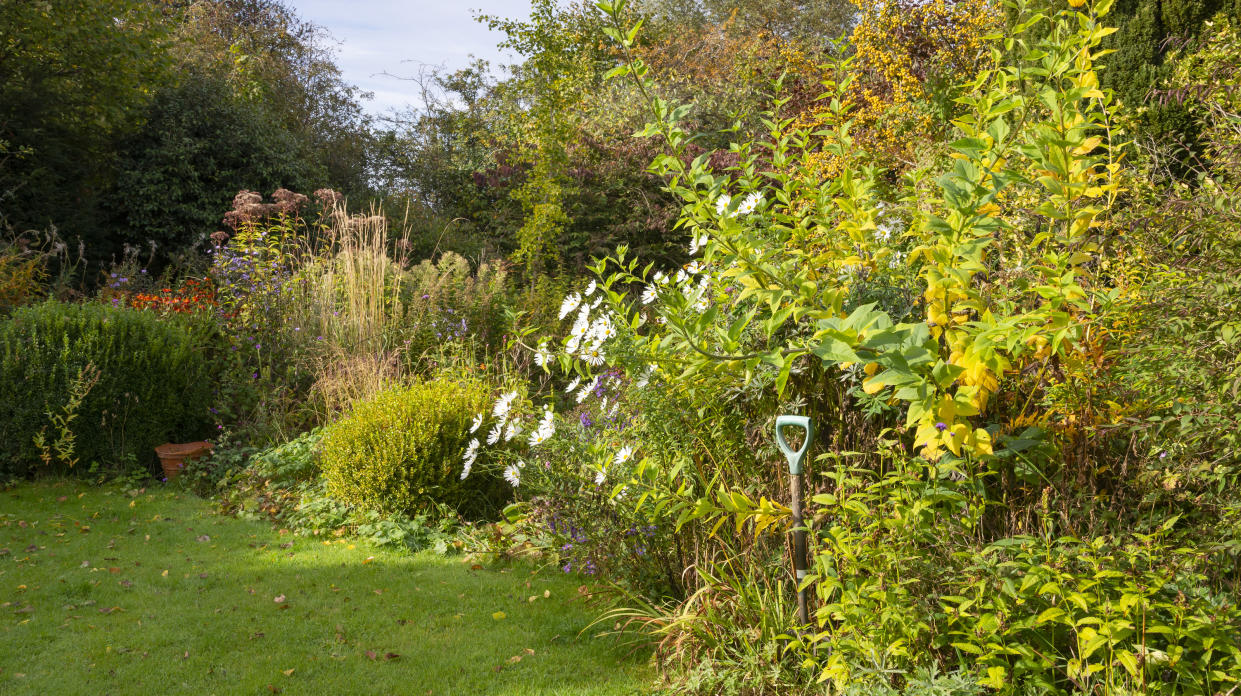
796	458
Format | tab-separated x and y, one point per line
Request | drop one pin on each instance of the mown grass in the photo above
107	592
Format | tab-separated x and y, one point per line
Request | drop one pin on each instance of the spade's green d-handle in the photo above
795	457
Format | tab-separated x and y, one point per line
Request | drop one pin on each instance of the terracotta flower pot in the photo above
173	456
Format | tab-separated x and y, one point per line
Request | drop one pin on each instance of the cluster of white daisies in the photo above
586	341
723	205
506	427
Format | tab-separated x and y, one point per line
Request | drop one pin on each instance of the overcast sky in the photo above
397	36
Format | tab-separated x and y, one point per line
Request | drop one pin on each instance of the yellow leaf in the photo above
982	442
872	386
954	436
499	616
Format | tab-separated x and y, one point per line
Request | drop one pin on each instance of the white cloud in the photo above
396	37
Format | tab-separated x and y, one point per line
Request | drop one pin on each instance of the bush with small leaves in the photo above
400	451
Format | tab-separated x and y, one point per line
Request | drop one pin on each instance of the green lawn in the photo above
104	593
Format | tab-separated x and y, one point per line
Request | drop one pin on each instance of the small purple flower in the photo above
425	297
585	420
568	567
941	427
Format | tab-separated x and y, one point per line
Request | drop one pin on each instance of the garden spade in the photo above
796	457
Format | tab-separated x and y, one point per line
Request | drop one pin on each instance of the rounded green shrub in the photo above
400	450
105	384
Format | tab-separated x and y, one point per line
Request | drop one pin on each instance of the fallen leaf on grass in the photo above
288	672
274	689
204	538
164	574
368	559
370	654
278	599
126	583
388	657
499	616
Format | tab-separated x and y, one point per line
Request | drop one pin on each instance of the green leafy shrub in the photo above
153	384
401	450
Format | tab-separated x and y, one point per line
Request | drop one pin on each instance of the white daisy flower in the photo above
601	330
590	289
660	278
541	356
478	421
649	294
693	268
600	476
503	404
571	301
624	455
681	276
494	436
702	304
586	390
722	203
573	385
512	474
465	470
571	345
751	203
538	437
697	243
593	356
598	301
645	379
512	431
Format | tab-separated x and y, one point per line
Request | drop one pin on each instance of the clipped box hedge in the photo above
400	451
155	383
